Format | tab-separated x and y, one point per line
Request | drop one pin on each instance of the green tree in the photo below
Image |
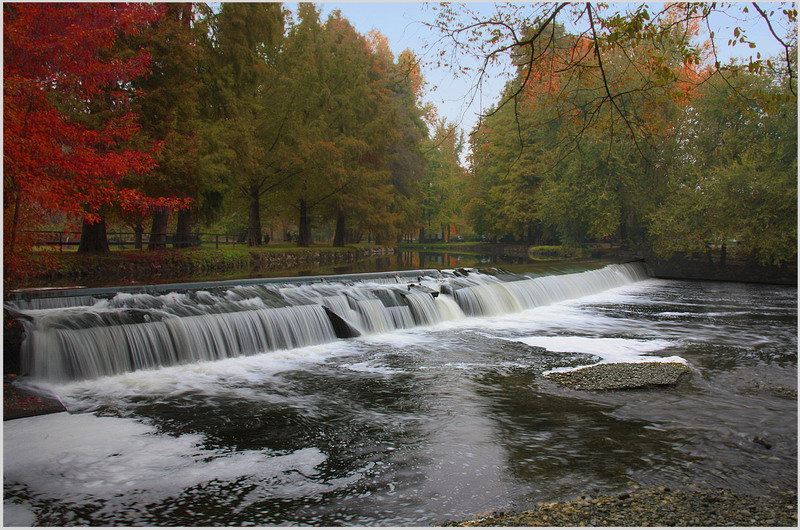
167	104
527	31
340	131
734	184
246	106
556	163
389	205
509	159
444	180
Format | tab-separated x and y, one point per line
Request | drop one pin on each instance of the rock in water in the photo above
21	402
616	376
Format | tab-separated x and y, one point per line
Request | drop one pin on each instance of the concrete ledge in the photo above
30	294
678	268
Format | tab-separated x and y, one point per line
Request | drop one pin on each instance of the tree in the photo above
734	184
406	157
556	162
246	104
167	103
442	186
385	200
58	63
340	119
509	159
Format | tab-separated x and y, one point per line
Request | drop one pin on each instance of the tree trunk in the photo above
723	255
304	239
138	232
534	234
339	237
421	235
158	229
93	237
15	224
254	219
183	232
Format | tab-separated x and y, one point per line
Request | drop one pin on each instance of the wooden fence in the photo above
127	240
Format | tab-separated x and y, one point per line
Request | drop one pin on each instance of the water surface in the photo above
420	426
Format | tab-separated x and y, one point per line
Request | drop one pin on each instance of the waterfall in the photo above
423	307
493	297
84	337
65	354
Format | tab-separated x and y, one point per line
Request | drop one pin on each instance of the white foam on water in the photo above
372	367
610	350
231	378
703	314
81	458
236	377
16	515
560	314
400	338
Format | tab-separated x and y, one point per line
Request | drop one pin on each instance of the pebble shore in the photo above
618	376
656	507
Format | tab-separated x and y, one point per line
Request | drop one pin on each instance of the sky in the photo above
402	24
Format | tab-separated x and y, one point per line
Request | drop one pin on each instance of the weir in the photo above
89	335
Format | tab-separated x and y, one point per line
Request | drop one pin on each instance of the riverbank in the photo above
538	253
709	267
124	267
655	507
137	267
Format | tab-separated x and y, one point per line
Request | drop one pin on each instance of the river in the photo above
423	421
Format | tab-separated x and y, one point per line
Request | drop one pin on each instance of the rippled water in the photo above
426	425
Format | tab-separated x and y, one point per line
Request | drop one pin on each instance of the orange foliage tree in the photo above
59	67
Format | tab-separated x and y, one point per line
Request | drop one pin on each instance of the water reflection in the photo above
559	446
401	260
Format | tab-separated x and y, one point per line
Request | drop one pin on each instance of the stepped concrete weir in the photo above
91	333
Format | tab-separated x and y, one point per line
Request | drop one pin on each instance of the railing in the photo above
125	240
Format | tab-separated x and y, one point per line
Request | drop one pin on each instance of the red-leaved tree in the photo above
59	68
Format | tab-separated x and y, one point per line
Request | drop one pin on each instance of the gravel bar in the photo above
656	507
618	376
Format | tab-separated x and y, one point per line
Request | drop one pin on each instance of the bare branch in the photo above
611	98
529	42
786	47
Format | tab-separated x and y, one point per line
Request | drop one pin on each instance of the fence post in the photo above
217	240
60	245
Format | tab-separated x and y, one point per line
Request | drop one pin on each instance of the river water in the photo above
423	424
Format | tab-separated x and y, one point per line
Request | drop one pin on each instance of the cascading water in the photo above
85	338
